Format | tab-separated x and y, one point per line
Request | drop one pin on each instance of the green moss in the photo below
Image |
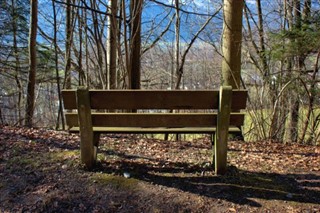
23	161
65	154
116	181
100	157
69	158
264	182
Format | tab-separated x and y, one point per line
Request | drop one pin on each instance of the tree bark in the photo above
113	44
17	65
231	44
60	110
177	46
98	42
32	63
67	83
298	64
135	44
82	76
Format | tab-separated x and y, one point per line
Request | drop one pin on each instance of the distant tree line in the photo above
152	44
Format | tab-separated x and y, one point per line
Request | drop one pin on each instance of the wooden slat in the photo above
69	99
155	119
155	99
239	99
139	130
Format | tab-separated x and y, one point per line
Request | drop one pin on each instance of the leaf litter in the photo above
40	171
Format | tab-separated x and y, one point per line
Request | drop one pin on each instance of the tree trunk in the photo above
32	63
177	56
135	44
60	110
113	44
86	41
98	42
177	46
67	83
82	76
298	65
312	90
231	44
17	65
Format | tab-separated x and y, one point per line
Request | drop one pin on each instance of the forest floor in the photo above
40	171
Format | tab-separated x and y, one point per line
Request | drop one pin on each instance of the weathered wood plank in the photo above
86	131
221	135
69	98
155	99
155	119
160	130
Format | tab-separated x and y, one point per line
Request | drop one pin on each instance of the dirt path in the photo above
40	172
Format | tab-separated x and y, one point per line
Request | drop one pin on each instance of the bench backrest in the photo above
110	100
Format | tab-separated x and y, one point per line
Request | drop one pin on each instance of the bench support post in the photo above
221	136
86	130
96	138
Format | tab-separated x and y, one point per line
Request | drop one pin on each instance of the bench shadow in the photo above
237	186
274	152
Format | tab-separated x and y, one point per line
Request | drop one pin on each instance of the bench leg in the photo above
96	138
221	136
87	149
86	130
220	155
213	139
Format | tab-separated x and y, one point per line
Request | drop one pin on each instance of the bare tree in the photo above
67	79
177	44
56	59
113	44
32	63
135	44
17	59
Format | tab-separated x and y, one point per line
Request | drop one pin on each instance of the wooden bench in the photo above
216	112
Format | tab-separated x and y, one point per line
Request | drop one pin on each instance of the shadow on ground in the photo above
43	172
237	186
